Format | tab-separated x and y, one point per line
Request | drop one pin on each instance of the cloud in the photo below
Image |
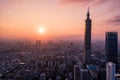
114	21
76	1
114	3
88	1
81	2
115	6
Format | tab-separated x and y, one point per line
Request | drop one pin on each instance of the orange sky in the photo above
22	18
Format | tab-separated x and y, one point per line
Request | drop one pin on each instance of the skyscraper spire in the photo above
88	14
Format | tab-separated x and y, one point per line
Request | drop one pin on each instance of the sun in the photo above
41	30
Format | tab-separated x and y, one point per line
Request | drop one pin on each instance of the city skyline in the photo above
23	18
59	40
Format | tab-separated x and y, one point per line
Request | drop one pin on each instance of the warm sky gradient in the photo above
22	18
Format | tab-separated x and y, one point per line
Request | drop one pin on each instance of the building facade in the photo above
87	51
110	71
111	47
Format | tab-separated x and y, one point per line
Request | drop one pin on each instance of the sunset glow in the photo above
41	30
18	18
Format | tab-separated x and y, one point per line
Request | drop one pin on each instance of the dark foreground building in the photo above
111	47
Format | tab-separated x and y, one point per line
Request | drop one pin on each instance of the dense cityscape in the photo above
61	60
46	61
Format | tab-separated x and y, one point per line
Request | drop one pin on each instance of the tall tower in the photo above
87	44
111	47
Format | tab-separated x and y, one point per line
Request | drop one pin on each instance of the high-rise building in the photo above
87	51
50	44
38	42
111	47
76	72
110	71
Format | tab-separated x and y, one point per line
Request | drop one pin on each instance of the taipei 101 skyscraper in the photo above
87	43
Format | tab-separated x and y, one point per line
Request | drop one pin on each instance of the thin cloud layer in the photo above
115	20
114	3
89	1
76	1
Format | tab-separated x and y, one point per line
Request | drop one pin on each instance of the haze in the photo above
64	18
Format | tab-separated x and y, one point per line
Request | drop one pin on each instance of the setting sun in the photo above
41	30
